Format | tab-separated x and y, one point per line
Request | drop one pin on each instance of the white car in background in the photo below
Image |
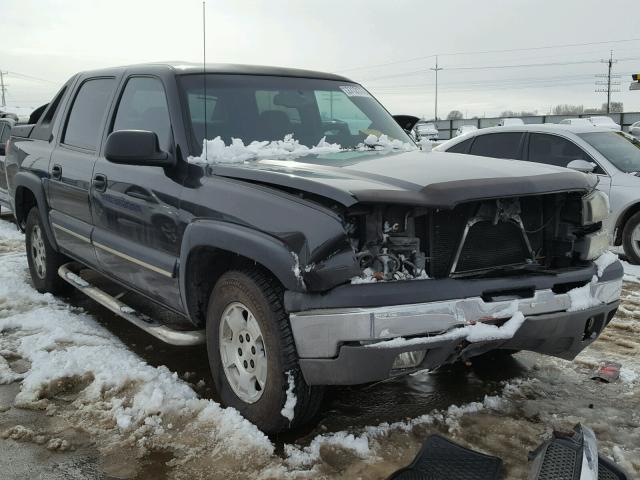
426	130
605	122
510	122
577	122
613	156
634	129
462	129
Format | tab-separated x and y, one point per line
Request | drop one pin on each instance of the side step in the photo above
161	332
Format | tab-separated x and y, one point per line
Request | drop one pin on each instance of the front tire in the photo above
631	239
43	260
252	354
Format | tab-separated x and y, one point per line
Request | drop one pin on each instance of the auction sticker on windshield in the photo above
354	91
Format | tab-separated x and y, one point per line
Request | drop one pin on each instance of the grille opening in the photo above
506	295
559	288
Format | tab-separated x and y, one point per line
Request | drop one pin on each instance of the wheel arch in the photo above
210	248
622	220
29	193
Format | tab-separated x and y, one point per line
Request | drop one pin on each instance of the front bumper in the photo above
332	342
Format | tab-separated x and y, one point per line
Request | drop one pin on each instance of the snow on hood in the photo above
217	151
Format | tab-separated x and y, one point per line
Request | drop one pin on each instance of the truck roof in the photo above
181	68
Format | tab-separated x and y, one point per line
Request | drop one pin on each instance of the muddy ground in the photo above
502	406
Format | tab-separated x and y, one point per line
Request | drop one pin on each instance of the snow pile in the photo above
631	272
605	260
582	298
216	151
478	332
123	394
290	404
384	144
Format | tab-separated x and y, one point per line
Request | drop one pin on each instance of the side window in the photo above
43	129
87	113
498	145
462	147
554	150
143	106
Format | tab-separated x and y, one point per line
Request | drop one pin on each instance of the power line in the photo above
30	77
608	83
482	52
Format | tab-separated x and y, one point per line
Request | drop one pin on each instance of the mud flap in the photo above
440	459
572	456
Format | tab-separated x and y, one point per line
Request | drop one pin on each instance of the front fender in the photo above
257	246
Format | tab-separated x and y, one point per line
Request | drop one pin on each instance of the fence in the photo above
447	128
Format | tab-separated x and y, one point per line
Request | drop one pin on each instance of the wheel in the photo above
252	354
631	239
43	260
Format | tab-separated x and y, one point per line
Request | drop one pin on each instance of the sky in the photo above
495	55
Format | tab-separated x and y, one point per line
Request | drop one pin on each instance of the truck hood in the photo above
434	179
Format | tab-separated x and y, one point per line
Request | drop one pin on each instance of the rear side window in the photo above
462	147
554	150
88	112
43	129
143	106
498	145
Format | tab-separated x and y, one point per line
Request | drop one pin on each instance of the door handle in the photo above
56	172
100	182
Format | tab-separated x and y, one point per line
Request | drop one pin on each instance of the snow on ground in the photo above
77	370
631	272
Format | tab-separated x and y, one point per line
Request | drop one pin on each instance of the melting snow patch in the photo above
383	143
604	261
290	404
631	272
216	151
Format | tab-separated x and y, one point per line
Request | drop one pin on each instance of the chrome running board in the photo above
140	320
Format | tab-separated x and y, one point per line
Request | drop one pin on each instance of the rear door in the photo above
71	166
135	208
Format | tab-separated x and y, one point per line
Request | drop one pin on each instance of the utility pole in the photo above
436	69
3	88
608	83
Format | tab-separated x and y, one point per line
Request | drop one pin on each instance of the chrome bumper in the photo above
319	333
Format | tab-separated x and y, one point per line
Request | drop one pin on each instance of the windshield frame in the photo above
614	162
195	147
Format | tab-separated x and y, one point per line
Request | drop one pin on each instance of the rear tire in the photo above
631	239
43	260
248	304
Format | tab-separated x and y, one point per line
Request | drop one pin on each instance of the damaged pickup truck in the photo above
295	228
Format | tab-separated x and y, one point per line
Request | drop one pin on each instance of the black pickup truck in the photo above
300	233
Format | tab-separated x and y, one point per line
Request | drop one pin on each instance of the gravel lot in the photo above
85	395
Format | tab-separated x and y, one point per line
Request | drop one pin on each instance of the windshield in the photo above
268	108
622	150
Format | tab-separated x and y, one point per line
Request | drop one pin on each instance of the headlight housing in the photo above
595	207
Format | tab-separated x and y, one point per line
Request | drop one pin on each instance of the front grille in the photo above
489	245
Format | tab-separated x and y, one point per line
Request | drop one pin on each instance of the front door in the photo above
135	208
71	167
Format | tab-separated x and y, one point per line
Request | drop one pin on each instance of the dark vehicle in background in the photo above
301	267
613	156
6	124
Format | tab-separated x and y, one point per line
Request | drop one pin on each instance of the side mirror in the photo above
407	122
582	166
3	149
136	147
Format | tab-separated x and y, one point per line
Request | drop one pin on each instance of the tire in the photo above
631	239
254	293
43	260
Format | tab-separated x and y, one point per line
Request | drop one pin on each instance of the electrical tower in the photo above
3	87
611	81
436	69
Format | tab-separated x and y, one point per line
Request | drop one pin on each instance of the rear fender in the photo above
31	182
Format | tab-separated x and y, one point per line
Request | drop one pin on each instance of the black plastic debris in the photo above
441	459
572	456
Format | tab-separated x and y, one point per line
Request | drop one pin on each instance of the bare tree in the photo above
567	109
455	115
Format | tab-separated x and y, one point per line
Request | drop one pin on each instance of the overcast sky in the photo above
386	45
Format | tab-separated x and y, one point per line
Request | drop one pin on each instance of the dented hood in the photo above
434	179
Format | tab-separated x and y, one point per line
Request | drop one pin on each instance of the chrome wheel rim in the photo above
242	352
38	252
635	240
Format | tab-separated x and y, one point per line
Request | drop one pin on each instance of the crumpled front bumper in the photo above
334	344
